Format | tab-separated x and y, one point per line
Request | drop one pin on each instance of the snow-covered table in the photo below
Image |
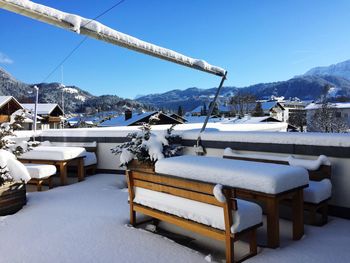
269	183
58	156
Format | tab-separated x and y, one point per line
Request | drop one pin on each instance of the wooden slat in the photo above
204	198
184	223
255	160
170	181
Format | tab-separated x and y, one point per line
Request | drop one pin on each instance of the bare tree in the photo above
326	119
298	119
242	103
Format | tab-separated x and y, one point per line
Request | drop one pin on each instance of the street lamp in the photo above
36	109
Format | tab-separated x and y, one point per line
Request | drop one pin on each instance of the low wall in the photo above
305	145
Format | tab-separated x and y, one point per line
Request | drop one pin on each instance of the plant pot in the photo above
136	165
12	198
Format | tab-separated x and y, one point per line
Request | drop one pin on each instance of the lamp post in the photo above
36	109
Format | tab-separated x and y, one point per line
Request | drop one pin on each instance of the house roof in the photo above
120	120
43	108
314	106
268	105
6	99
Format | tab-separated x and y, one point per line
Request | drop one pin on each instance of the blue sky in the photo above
256	41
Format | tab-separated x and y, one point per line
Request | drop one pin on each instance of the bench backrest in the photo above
89	146
323	172
193	190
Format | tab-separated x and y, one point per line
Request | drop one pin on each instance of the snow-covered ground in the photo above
87	222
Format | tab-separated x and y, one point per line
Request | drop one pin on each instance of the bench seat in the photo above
248	214
90	159
41	172
318	191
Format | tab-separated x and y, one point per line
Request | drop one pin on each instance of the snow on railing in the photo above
99	31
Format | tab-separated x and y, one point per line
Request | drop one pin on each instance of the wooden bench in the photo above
41	173
191	191
90	160
61	157
323	172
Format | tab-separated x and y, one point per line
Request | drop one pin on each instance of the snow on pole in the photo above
99	31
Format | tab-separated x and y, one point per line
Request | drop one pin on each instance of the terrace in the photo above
89	220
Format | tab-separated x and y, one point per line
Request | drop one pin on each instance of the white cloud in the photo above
4	59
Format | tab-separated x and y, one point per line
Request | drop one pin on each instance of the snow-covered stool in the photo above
208	209
319	191
40	173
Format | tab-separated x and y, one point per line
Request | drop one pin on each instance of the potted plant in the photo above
13	174
145	147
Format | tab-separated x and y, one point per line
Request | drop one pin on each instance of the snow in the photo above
247	215
16	169
70	90
90	158
314	106
311	165
53	153
39	171
87	221
78	23
261	177
126	156
42	108
217	191
318	191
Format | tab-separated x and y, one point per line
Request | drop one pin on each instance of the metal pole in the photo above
199	148
36	109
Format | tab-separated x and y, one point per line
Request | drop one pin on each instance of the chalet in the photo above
51	114
133	119
8	105
273	109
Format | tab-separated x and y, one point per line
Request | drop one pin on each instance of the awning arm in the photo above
199	149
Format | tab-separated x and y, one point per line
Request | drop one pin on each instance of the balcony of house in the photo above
89	220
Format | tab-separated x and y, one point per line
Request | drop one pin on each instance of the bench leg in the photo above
229	249
63	172
272	224
132	216
39	185
298	214
81	169
253	246
324	211
50	182
312	216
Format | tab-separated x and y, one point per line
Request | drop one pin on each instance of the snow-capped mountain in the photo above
341	69
303	87
75	99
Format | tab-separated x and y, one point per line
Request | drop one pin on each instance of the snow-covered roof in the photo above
5	99
268	105
343	105
43	108
99	31
251	120
120	120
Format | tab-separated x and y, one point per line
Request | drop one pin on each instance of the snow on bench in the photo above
319	191
311	165
54	153
266	178
90	159
248	214
40	173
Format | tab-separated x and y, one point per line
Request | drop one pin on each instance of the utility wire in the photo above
82	41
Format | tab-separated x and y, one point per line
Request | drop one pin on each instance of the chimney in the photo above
128	114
